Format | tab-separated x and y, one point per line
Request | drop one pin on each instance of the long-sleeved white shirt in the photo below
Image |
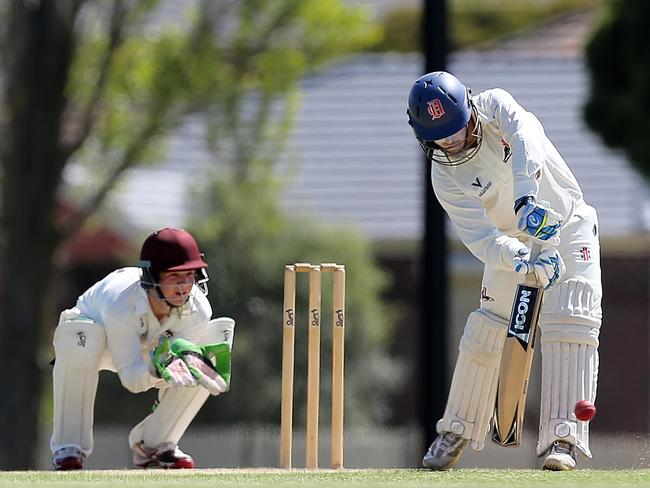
515	159
120	304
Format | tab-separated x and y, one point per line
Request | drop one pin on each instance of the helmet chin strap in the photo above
162	298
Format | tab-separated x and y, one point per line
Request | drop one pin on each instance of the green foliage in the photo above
274	48
243	79
248	241
474	22
618	57
155	81
247	237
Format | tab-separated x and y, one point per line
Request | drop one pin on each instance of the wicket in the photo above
313	362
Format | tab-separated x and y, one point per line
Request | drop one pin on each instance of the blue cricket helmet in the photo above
438	106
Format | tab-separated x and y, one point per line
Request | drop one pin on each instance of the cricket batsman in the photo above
504	186
150	324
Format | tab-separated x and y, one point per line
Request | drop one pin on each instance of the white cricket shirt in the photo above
120	304
515	159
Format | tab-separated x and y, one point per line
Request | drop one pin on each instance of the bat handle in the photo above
535	249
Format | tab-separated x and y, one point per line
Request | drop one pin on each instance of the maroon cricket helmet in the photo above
171	249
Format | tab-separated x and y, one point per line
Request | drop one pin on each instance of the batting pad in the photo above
576	300
474	385
569	374
79	344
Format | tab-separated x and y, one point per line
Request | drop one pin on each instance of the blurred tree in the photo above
618	58
97	82
475	22
248	240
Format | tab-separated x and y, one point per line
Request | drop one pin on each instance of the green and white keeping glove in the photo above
170	366
183	363
210	364
221	355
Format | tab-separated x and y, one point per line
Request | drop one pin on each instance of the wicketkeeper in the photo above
150	324
503	185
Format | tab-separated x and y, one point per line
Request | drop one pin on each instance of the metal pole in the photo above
433	367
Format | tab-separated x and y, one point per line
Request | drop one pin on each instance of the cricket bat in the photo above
516	361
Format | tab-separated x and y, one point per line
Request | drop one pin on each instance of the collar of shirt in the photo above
154	328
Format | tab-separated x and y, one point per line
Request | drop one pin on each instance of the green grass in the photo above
217	478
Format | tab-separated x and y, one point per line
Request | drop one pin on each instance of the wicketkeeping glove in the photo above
538	219
170	366
214	377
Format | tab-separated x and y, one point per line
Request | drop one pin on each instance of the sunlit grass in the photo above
359	478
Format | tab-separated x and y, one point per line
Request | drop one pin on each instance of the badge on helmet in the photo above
439	105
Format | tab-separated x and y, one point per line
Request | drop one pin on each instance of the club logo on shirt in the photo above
507	151
478	184
434	107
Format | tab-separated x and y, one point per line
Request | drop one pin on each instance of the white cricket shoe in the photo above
165	456
561	457
68	458
444	451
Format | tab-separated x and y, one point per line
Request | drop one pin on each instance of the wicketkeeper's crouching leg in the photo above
79	345
569	328
473	390
156	437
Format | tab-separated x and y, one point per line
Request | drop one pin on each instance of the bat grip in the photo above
535	249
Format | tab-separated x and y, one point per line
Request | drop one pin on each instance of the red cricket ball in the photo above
585	410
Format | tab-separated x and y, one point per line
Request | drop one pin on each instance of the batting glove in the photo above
170	366
515	254
548	267
537	219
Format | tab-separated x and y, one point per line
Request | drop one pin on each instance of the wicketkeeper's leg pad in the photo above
173	414
79	344
221	329
473	388
177	408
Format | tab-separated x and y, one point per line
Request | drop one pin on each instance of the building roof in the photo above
359	163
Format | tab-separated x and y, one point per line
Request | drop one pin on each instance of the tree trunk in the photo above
42	40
